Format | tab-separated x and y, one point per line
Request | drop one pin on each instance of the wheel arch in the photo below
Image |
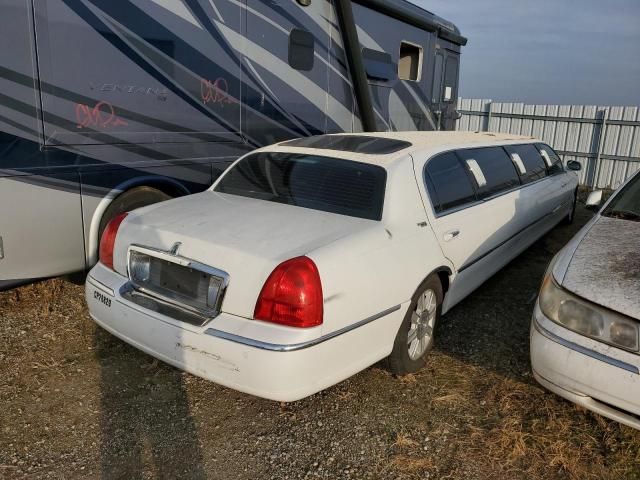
169	186
444	273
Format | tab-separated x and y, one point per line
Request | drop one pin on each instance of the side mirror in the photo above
594	200
575	166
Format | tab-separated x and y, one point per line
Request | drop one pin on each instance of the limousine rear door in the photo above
473	203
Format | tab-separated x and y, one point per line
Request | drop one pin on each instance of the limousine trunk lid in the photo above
605	267
244	237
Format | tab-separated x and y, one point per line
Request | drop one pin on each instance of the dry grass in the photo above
532	433
403	441
406	464
408	379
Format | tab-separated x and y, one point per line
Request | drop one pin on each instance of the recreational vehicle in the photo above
107	106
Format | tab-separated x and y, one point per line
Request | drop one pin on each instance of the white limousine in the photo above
310	260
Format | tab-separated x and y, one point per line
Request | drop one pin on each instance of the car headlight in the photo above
586	318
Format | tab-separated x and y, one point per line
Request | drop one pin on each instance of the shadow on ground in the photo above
145	422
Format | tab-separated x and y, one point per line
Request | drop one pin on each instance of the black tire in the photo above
568	220
400	362
130	200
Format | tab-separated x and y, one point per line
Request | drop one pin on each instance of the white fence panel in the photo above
604	139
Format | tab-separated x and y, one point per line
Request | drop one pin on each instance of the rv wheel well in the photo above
136	197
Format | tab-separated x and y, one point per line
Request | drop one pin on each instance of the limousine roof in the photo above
385	147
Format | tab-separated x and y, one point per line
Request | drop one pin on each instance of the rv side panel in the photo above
40	217
400	103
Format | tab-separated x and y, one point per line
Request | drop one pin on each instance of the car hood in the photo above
245	237
605	267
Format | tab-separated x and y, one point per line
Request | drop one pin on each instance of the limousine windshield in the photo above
322	183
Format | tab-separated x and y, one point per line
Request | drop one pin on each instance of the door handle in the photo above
450	235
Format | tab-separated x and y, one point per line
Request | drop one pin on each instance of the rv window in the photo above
436	89
448	184
379	65
301	45
450	80
410	62
532	162
496	170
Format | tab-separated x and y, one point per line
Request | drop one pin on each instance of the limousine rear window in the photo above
321	183
447	182
531	159
498	171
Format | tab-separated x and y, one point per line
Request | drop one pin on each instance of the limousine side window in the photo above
497	171
448	183
534	166
554	164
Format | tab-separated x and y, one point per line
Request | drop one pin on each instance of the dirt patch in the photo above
78	403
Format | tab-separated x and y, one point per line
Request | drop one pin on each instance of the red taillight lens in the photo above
108	240
292	295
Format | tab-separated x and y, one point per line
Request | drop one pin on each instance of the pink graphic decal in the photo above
102	115
216	92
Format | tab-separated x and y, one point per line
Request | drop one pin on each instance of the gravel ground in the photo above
78	403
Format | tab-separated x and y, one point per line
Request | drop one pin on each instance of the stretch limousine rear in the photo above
312	259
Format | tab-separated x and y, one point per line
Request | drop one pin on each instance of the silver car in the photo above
585	343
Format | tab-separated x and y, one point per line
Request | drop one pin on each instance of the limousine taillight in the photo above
108	240
292	295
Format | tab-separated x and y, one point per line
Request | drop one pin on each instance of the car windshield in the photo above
311	181
626	204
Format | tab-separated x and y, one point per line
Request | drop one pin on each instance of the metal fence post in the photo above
601	138
489	116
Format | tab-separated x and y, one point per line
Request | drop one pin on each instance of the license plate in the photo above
102	298
177	280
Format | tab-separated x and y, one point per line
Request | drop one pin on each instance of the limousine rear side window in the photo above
498	171
448	183
553	162
517	161
476	171
528	155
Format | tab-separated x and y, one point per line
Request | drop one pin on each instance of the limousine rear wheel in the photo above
414	339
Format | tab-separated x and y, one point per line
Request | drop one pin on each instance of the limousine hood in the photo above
247	238
605	267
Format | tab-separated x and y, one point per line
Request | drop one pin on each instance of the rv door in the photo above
445	88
